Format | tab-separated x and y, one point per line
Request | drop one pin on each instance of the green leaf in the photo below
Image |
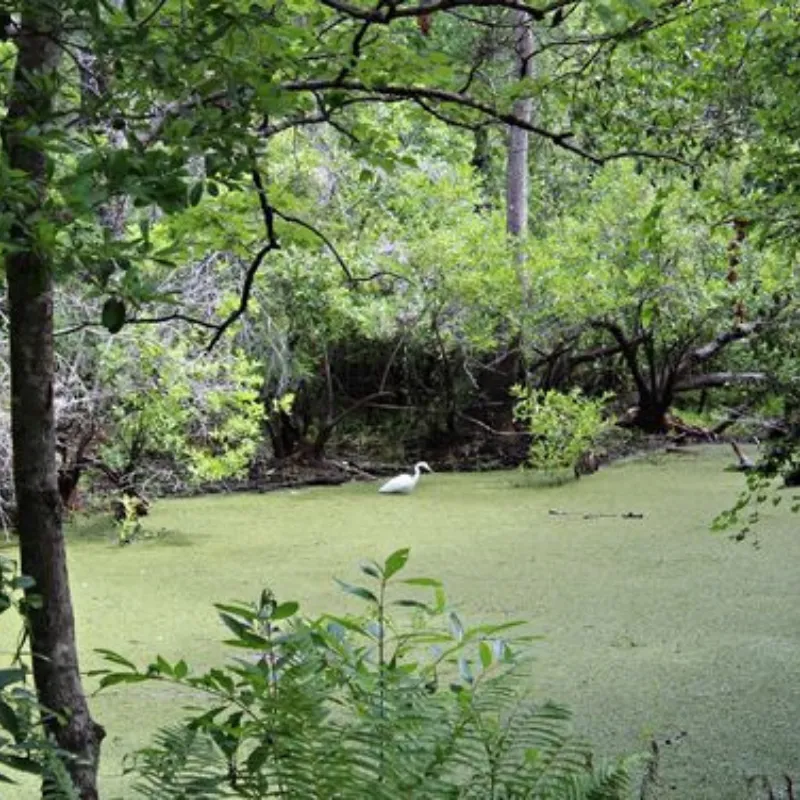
115	658
181	670
249	641
358	591
412	604
196	193
119	677
258	757
235	625
346	623
441	599
422	582
23	582
285	610
113	316
241	611
162	666
21	764
8	719
456	628
11	675
395	562
371	569
485	653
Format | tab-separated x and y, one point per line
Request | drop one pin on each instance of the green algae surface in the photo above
653	626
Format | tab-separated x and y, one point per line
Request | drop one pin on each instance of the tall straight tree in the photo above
519	136
29	275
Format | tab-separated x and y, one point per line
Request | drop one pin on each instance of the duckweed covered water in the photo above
654	626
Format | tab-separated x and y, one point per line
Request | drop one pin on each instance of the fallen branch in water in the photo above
554	512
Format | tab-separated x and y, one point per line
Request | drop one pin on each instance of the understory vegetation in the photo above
350	706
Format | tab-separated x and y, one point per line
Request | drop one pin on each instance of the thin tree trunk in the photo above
482	164
517	162
517	166
30	295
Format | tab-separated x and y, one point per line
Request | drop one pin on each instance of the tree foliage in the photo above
562	426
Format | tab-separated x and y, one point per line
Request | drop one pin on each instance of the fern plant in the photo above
408	704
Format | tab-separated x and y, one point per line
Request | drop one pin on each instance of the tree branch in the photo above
272	244
628	348
712	380
384	14
320	235
707	351
423	93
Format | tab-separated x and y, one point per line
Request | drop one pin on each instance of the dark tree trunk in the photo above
30	296
482	164
651	415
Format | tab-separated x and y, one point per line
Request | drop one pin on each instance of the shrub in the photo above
562	426
409	704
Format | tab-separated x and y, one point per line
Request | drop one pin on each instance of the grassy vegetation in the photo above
653	626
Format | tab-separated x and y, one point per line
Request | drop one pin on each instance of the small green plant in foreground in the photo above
401	700
129	527
563	426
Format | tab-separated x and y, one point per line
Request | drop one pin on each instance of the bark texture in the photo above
30	296
517	168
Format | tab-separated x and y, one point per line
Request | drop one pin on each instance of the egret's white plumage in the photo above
404	484
745	462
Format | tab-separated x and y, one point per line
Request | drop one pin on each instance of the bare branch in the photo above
488	428
628	347
76	328
416	94
423	93
176	316
272	244
707	351
383	14
713	380
320	235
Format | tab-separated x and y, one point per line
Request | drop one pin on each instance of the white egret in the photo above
404	484
745	462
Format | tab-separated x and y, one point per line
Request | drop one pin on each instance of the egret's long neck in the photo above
416	471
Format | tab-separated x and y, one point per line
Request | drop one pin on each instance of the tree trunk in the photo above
30	296
517	165
651	415
482	164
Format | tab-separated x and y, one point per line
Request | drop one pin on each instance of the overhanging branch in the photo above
714	380
268	213
707	351
427	95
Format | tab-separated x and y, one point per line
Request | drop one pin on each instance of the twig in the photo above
488	428
272	244
320	235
